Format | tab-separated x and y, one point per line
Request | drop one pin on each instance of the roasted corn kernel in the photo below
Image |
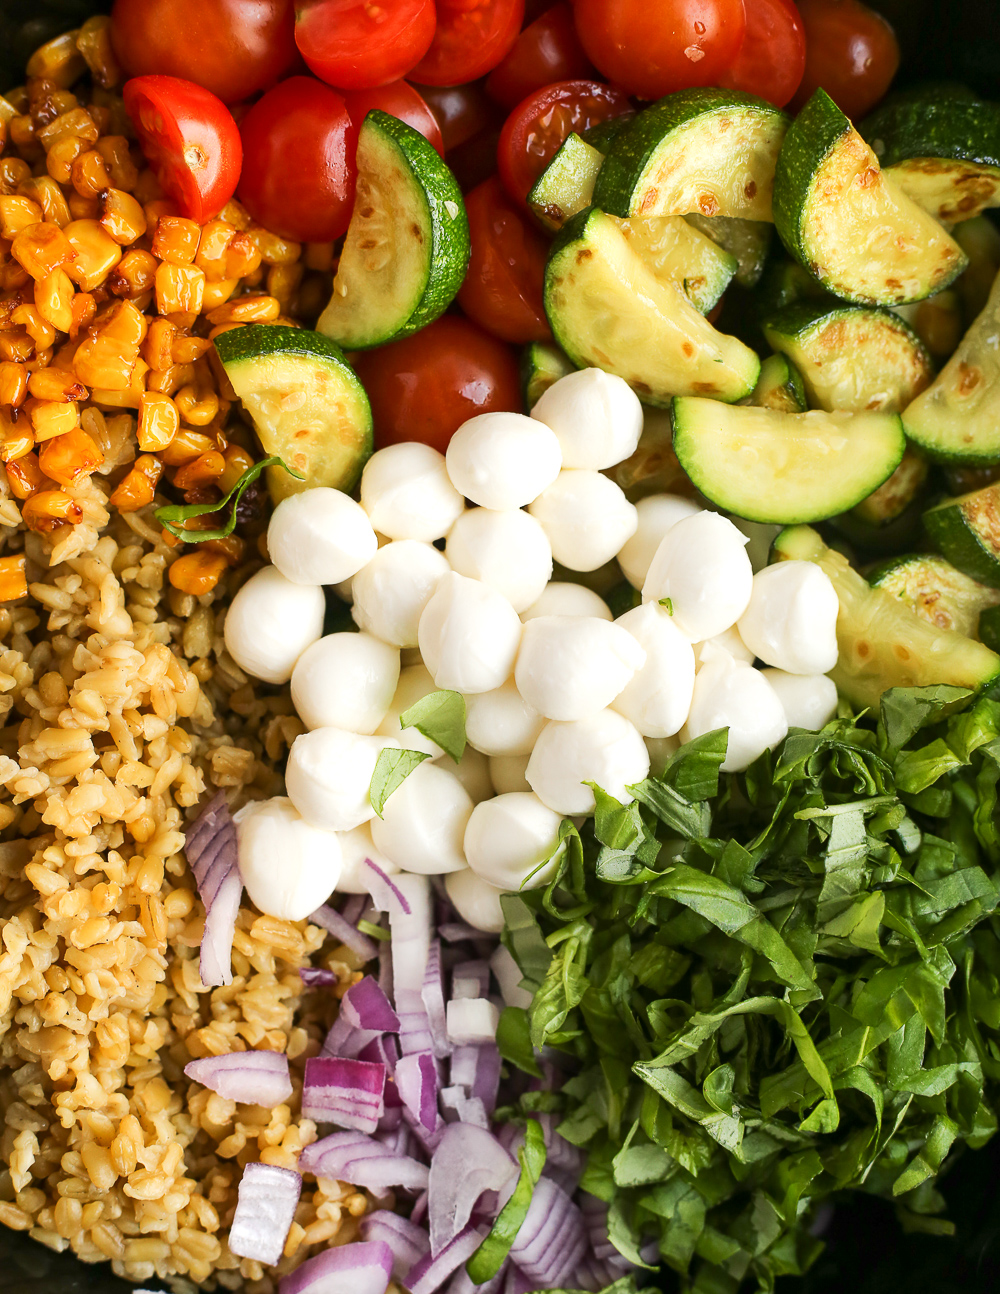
135	275
97	253
238	461
176	240
77	122
56	384
70	457
94	43
13	581
198	572
50	197
38	329
89	176
157	349
25	476
42	248
49	509
51	418
186	446
60	157
58	60
118	159
121	216
159	421
13	383
17	213
54	300
138	488
179	288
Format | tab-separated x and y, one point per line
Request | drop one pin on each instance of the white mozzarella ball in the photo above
729	642
475	901
501	722
563	599
329	774
808	700
730	694
573	666
423	822
507	773
357	847
657	514
345	680
509	551
270	623
586	517
473	771
468	635
509	837
658	697
414	684
391	592
605	749
406	492
791	622
289	867
503	460
701	565
320	536
596	415
661	750
344	589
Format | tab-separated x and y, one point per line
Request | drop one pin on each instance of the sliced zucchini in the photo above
541	366
899	492
936	591
785	467
848	223
679	256
988	629
604	134
407	246
784	282
706	151
980	240
307	404
608	310
566	186
779	386
748	240
882	642
851	357
966	530
936	321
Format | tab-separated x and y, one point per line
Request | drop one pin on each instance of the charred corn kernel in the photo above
25	476
42	248
22	134
238	461
49	509
84	309
157	349
89	176
215	238
16	347
218	292
13	173
118	159
230	547
82	208
197	572
70	457
13	276
222	382
128	397
250	309
124	323
159	421
138	488
40	332
54	300
242	256
18	97
7	110
176	240
97	253
102	362
58	60
56	384
147	188
76	122
186	349
186	446
274	250
169	381
13	383
50	197
197	407
179	288
318	256
51	418
40	359
61	156
135	275
283	283
121	216
155	212
17	213
236	214
204	470
93	40
17	440
13	581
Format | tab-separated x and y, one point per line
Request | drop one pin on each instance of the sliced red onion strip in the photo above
265	1210
213	856
250	1077
354	1157
361	1268
477	1069
386	895
408	1242
354	908
348	1092
470	979
431	1272
432	996
414	1024
331	921
461	1283
552	1239
467	1162
365	1006
417	1083
411	934
317	977
595	1219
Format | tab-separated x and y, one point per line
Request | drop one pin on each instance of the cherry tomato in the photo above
548	50
232	47
535	129
357	45
653	47
503	285
425	386
398	99
298	177
773	56
851	52
472	37
189	138
462	111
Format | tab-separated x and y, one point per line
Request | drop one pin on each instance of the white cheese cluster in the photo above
558	695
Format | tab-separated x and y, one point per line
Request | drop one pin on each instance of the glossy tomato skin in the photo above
298	175
398	99
654	47
773	57
425	386
503	284
852	52
547	50
358	45
535	129
232	47
472	37
462	111
189	138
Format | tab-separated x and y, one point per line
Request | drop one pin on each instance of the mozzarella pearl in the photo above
596	415
406	493
473	771
320	536
791	622
657	513
356	848
393	589
562	599
468	635
586	517
329	774
501	722
729	641
808	700
605	749
414	684
503	460
423	822
701	565
509	551
476	902
345	680
289	868
730	694
661	750
509	837
658	697
270	623
570	667
507	773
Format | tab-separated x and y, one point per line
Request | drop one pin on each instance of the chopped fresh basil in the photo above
392	768
170	514
440	716
492	1253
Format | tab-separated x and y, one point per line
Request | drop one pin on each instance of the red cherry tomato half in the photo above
298	177
547	50
425	386
358	44
851	52
535	129
462	111
472	37
189	138
398	99
503	285
232	47
773	56
653	47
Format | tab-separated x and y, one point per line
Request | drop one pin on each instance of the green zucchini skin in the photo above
966	531
936	591
814	135
962	130
542	365
779	386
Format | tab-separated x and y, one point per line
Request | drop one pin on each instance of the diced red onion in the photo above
362	1268
250	1077
265	1210
348	1092
383	1050
431	1272
417	1083
595	1220
386	895
552	1239
354	908
432	996
414	1024
470	979
472	1021
461	1283
456	1102
365	1006
317	977
411	933
477	1069
213	856
408	1242
508	976
467	1162
354	1157
456	932
517	1282
331	921
385	967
